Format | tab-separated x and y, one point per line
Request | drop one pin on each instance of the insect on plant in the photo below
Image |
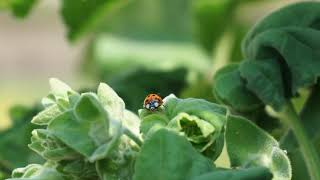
152	102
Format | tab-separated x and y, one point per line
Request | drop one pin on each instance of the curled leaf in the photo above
200	121
281	53
36	172
230	89
250	146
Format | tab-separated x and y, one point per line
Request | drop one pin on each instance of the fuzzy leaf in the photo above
36	172
250	146
86	129
111	101
49	147
44	117
200	121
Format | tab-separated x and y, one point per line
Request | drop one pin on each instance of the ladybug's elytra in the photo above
152	102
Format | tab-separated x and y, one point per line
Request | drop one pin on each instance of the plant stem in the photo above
309	153
131	135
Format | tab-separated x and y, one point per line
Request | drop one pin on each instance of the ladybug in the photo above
152	102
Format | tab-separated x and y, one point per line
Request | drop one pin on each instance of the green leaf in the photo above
36	172
111	101
59	89
112	169
200	121
212	18
263	80
253	173
250	146
89	122
46	116
195	129
49	147
198	107
81	16
286	36
21	8
152	120
131	121
78	169
230	89
14	151
173	157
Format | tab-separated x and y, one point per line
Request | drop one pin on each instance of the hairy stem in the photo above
311	158
132	136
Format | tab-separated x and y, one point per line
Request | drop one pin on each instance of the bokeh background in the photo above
141	46
35	49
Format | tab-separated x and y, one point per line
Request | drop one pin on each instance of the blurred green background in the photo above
137	46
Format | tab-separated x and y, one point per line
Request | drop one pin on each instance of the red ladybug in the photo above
152	102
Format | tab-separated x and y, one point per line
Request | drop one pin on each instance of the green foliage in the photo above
79	16
21	8
281	53
254	173
202	124
268	48
145	67
234	93
36	171
146	47
212	19
80	128
172	158
92	136
240	135
13	145
310	115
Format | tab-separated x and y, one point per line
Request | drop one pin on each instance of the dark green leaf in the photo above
166	155
14	151
290	37
230	89
78	169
